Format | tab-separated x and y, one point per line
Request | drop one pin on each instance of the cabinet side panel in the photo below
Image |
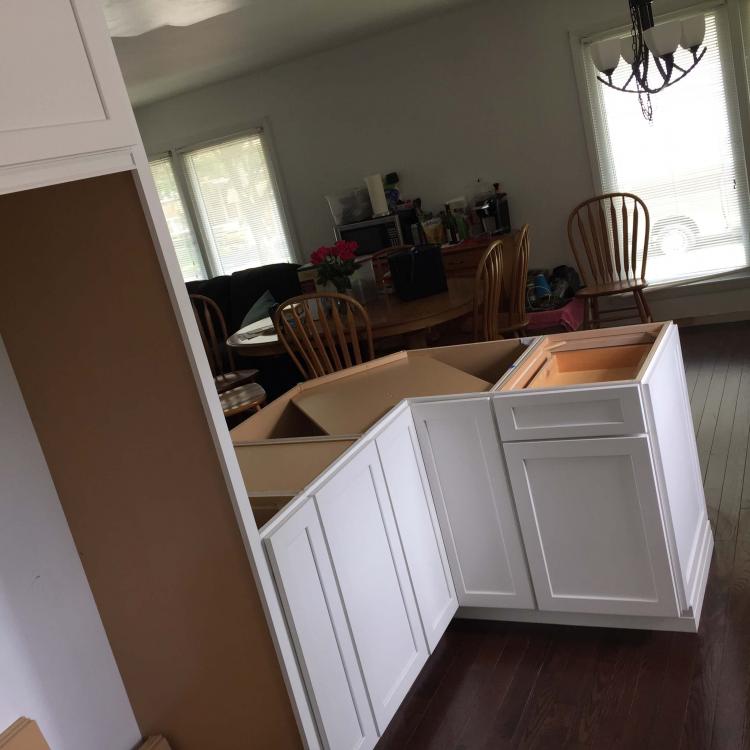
678	456
97	350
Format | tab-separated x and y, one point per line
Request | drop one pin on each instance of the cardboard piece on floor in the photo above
23	734
155	743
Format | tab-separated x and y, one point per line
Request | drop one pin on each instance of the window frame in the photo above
177	156
737	87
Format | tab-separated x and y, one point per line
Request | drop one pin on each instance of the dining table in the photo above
389	317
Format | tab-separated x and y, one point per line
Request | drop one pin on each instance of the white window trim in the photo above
579	39
176	156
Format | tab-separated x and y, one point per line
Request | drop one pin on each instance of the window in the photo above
183	237
234	201
688	165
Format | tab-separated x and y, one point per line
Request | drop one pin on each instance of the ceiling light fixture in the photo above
650	48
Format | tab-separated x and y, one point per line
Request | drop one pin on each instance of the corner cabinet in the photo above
62	92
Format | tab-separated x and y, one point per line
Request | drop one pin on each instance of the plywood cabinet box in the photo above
549	480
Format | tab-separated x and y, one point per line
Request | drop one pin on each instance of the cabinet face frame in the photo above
116	129
635	452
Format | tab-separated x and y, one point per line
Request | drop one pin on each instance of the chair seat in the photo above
611	287
242	398
228	380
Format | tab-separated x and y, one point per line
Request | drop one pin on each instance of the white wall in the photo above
486	91
56	665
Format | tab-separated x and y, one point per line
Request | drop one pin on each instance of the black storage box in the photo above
418	272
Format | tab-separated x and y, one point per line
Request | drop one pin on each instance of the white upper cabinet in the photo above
61	88
466	470
418	530
589	513
373	580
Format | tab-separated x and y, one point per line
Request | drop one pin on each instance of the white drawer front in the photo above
591	412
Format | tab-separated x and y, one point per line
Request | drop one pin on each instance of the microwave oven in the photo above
379	233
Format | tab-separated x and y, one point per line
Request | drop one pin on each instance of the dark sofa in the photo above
235	295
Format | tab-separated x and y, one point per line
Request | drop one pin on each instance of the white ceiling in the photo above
254	34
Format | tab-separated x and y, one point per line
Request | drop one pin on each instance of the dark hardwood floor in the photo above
496	685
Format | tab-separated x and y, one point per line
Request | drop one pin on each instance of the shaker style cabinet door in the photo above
418	529
589	513
373	580
61	88
466	470
317	623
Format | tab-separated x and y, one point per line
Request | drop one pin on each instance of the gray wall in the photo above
56	663
485	91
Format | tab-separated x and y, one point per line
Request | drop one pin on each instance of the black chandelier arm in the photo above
642	85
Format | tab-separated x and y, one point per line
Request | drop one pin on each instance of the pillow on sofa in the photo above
261	309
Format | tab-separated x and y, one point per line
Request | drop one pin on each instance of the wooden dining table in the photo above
389	317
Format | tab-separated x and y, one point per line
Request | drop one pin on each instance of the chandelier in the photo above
650	52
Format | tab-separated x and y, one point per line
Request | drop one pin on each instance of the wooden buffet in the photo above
546	480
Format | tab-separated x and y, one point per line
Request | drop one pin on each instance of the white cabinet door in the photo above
473	500
594	538
61	89
319	630
372	578
418	530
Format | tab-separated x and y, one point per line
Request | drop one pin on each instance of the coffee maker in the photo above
493	212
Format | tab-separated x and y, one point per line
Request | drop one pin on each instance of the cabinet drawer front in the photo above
373	580
590	412
592	527
473	502
307	586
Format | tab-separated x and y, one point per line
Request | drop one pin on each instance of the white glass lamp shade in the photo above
663	39
693	32
606	55
626	49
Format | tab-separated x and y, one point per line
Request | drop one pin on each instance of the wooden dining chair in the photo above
322	331
237	390
609	236
500	289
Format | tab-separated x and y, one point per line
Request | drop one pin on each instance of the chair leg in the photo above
586	313
639	304
646	308
596	320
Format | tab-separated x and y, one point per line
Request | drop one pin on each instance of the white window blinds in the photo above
234	192
183	239
688	165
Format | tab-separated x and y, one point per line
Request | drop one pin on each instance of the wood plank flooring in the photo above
493	685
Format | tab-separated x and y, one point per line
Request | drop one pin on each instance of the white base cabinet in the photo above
320	632
592	530
417	526
474	504
569	493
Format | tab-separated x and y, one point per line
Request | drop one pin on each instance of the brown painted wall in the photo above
94	342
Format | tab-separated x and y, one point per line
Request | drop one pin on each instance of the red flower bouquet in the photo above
335	264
